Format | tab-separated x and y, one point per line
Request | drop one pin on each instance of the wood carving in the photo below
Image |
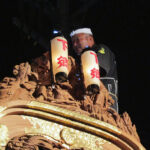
34	82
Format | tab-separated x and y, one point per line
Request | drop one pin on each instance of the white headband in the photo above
81	30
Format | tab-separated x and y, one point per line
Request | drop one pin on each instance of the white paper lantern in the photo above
90	70
59	54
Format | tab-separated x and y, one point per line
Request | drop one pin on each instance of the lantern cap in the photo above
88	48
61	77
81	30
56	32
93	89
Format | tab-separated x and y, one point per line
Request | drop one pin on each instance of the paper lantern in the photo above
59	54
90	70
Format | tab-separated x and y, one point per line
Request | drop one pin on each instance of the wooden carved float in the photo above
69	129
34	115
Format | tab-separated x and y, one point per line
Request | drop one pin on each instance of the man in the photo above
82	38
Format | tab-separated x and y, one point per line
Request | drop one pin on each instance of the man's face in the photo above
81	41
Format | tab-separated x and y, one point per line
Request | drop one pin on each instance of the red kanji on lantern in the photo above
64	43
96	60
62	61
95	73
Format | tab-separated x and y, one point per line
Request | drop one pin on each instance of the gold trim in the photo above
76	125
3	135
44	127
70	137
74	120
87	121
74	115
1	110
78	139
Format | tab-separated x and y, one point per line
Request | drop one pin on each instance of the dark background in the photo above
123	25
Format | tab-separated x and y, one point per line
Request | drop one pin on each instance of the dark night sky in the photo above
122	25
